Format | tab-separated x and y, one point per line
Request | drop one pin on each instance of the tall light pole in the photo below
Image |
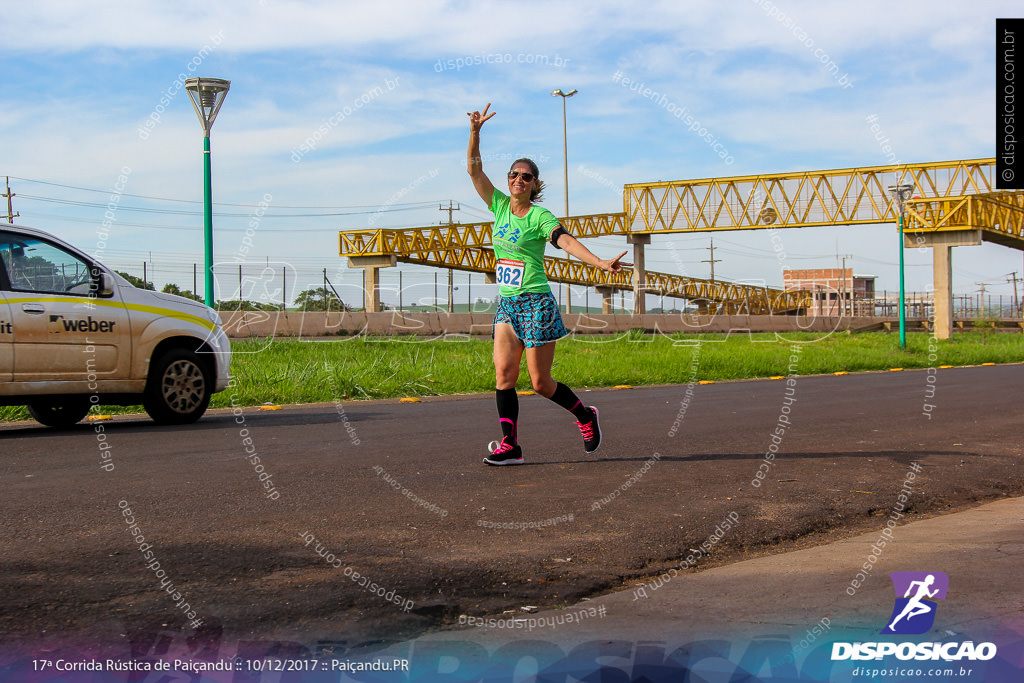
207	96
565	176
901	193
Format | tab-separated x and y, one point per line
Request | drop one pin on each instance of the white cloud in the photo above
83	78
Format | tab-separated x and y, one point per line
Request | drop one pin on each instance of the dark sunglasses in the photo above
526	175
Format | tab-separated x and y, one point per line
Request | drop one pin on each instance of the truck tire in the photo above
63	412
178	389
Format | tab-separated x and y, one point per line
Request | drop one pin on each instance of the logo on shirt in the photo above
508	233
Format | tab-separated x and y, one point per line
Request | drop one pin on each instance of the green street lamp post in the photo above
207	96
901	193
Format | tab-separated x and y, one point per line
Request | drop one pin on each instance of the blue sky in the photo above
382	90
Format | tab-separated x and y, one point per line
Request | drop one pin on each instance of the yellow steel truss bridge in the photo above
954	203
468	247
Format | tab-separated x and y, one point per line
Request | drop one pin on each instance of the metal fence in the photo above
414	288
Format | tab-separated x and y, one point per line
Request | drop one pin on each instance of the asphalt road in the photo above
378	519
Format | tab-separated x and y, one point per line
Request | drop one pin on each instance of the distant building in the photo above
837	291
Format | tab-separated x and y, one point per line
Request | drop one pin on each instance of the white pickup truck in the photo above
74	334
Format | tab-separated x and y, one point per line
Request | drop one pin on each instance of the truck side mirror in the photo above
104	284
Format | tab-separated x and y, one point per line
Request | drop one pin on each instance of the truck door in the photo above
62	330
6	335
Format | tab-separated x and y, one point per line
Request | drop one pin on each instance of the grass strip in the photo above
290	371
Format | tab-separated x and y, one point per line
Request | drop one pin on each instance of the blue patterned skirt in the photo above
534	317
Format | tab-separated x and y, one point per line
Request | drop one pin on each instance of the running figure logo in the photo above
508	233
914	612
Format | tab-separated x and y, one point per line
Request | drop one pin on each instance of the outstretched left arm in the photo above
573	246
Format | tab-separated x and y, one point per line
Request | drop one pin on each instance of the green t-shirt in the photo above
519	246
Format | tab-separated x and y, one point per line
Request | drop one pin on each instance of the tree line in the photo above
316	299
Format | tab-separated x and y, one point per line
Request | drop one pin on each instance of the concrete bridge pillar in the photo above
371	287
639	272
942	243
606	298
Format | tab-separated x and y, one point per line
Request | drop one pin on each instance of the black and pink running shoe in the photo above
591	432
504	453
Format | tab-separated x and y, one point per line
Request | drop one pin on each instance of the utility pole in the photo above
843	289
1014	279
712	260
10	207
451	284
449	209
981	299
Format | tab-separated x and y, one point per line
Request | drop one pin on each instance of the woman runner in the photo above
528	318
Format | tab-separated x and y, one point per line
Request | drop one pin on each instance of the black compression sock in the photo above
565	397
508	412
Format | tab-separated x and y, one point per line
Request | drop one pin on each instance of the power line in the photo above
184	212
184	228
194	201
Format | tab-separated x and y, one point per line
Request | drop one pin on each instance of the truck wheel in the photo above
62	412
178	389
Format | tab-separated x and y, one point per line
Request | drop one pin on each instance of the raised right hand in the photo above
477	119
